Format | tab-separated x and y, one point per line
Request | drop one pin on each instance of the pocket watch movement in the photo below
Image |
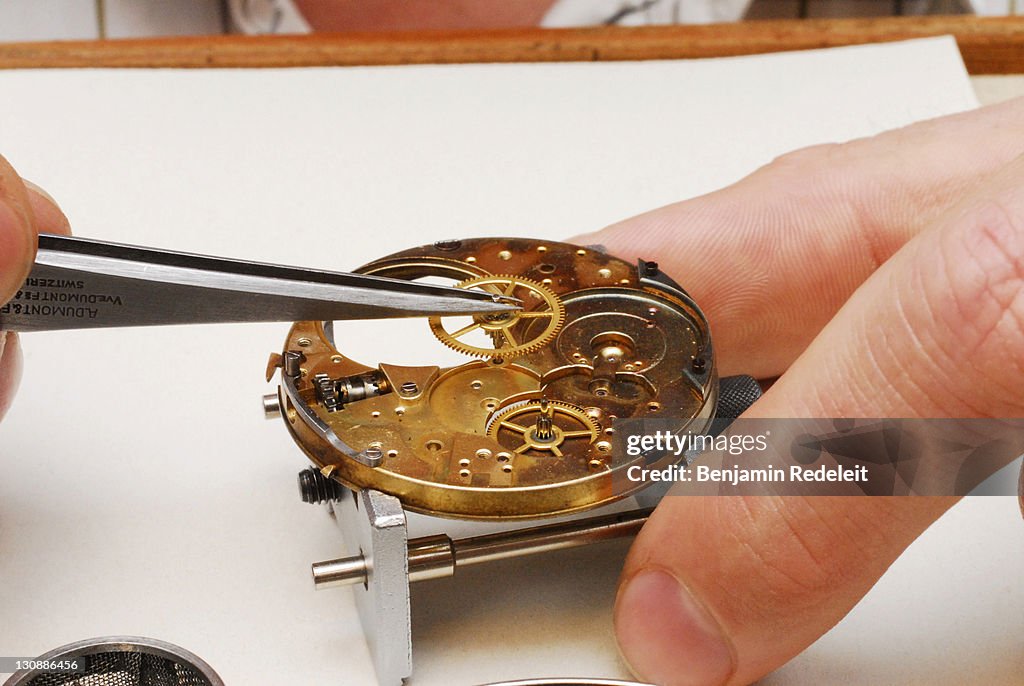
524	426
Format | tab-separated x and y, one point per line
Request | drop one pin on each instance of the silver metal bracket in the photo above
374	531
382	562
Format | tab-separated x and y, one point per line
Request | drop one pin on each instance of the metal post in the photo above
438	556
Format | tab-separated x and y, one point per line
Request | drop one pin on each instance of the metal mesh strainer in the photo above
122	661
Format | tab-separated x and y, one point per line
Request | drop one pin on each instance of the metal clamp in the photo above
382	563
373	528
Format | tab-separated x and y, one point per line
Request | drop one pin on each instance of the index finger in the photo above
25	210
773	257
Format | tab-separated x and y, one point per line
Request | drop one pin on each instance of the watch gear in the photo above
542	426
512	333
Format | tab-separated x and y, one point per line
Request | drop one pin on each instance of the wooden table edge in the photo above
992	45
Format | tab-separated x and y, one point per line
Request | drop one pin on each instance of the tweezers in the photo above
77	283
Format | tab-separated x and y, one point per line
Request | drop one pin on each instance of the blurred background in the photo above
40	20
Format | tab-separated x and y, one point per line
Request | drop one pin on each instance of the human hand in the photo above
877	278
25	211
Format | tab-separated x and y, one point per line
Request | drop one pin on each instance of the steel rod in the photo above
438	556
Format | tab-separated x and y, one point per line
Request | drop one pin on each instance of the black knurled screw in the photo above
315	488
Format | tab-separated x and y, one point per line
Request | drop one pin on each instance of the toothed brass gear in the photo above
512	333
541	425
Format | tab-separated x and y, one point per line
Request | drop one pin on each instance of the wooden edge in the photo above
992	45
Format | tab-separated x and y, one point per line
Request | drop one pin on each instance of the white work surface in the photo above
141	491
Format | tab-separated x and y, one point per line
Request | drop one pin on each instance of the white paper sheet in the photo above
141	492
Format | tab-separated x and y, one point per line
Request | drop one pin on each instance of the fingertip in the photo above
17	246
667	636
725	589
48	215
10	368
17	232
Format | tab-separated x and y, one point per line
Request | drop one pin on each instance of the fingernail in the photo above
667	636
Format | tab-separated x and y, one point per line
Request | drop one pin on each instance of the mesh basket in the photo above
121	661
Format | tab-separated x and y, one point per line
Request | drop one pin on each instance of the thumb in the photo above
17	231
24	211
723	590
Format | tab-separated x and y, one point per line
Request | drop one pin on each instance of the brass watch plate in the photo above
524	427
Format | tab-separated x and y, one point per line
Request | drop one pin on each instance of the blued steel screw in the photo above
315	488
